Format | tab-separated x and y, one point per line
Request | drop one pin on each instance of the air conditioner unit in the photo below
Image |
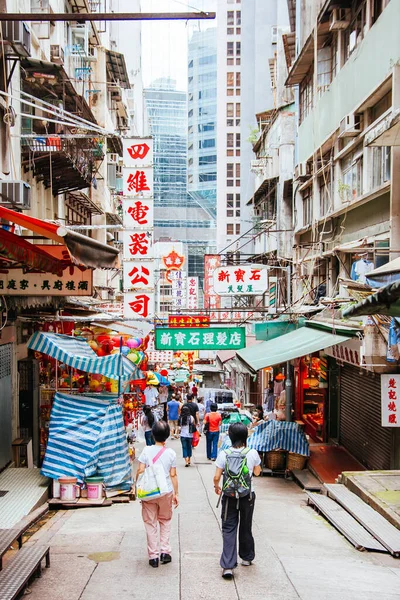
340	19
350	126
302	171
18	35
15	193
113	158
274	35
57	54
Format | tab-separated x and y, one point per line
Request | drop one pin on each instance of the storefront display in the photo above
311	395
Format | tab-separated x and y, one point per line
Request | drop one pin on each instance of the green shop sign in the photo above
199	338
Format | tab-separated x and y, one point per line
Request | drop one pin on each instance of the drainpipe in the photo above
289	383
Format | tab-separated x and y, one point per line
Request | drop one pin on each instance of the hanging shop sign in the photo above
248	280
211	298
138	234
138	152
138	183
390	400
74	282
192	292
348	352
137	213
218	338
139	304
160	356
138	275
188	321
173	260
179	289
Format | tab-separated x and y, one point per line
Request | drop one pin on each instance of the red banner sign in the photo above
188	321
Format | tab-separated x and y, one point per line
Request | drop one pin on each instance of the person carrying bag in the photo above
237	466
157	488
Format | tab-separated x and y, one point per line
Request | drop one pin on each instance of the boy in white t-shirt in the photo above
237	510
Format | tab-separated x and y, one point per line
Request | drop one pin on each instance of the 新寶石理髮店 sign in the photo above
215	338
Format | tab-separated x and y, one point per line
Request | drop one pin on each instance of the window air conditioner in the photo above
302	171
16	194
18	35
113	158
340	19
57	54
350	126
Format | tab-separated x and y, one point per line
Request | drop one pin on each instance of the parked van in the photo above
226	400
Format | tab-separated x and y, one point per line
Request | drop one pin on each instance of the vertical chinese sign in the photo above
138	234
179	297
390	396
192	292
211	299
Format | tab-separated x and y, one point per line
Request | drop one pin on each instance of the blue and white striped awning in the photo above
76	352
87	437
276	435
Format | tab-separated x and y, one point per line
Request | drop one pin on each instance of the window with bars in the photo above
237	229
380	165
307	206
238	140
357	29
325	195
306	95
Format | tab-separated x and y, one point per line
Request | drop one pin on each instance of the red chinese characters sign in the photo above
245	279
390	398
137	213
138	152
138	182
211	263
137	244
139	305
188	321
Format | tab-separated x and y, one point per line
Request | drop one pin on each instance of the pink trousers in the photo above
158	512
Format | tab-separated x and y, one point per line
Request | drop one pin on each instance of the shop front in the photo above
311	404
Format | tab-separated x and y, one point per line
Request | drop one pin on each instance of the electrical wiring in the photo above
4	302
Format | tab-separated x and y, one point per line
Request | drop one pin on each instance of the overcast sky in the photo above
164	43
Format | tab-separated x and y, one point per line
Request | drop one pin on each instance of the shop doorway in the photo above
5	405
28	370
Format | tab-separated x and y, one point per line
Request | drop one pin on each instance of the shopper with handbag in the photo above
157	487
188	427
212	426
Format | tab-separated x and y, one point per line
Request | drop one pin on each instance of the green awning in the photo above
305	340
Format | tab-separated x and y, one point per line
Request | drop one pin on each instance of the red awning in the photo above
16	249
82	249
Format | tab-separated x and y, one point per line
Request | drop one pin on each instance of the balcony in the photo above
64	164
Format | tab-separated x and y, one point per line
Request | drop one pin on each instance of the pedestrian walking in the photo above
163	399
194	390
237	465
212	426
147	422
157	513
193	407
188	427
202	412
173	410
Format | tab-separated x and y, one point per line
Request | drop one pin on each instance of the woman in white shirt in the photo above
158	511
187	424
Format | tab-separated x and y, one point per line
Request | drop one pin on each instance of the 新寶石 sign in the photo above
19	283
236	280
215	338
390	398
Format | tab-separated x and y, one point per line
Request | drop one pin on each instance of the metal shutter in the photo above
5	404
361	432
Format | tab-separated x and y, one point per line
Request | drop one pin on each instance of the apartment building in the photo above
346	184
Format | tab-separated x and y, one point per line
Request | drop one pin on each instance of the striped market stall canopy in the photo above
276	435
87	437
76	352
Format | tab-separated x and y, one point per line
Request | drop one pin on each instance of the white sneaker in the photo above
246	563
227	573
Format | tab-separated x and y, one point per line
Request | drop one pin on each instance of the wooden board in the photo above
307	480
345	523
369	518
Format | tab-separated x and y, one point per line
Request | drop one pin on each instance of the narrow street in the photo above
100	553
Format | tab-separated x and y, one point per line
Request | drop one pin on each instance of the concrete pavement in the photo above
100	553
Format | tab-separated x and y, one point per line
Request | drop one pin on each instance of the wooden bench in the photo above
16	575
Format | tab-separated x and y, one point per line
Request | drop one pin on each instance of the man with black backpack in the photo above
237	465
